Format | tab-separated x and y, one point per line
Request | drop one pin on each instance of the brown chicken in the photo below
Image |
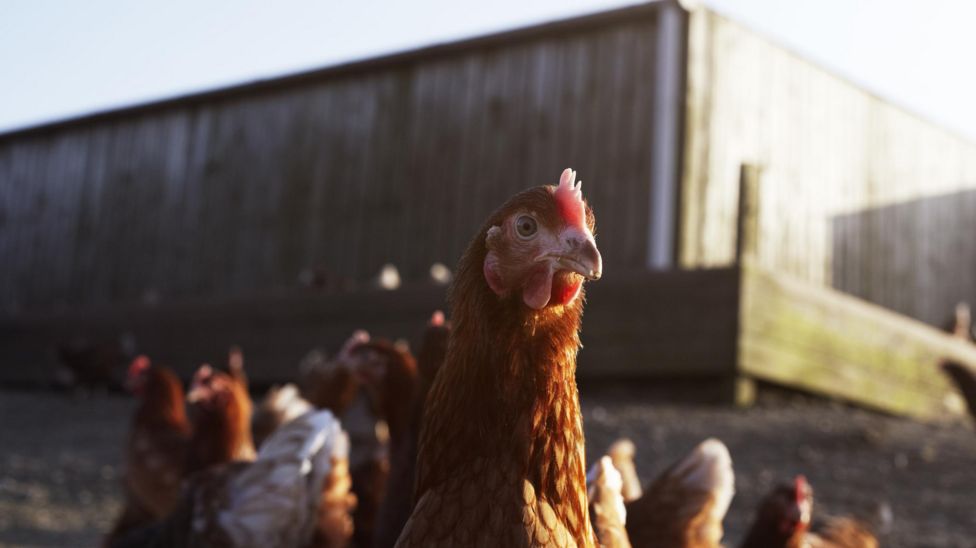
156	447
501	459
784	517
398	502
331	384
220	412
388	375
685	505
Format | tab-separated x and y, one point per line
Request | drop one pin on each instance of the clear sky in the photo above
61	59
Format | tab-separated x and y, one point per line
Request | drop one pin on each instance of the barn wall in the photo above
830	153
346	171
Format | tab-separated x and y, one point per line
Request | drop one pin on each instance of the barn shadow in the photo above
917	257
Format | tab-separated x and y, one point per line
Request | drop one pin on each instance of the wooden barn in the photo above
760	218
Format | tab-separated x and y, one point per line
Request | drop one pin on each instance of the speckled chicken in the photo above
501	460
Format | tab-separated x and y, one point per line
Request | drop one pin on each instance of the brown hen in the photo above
156	447
686	504
388	374
220	412
501	459
784	517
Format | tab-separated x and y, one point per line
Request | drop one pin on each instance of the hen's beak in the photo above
578	253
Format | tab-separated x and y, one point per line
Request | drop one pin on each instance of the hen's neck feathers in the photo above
507	394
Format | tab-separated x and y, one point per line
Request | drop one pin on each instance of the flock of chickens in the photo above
478	441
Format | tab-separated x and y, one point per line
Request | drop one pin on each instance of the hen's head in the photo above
539	246
787	509
213	391
137	375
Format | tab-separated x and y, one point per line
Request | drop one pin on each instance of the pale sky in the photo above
62	59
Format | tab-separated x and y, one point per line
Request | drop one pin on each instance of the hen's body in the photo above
501	459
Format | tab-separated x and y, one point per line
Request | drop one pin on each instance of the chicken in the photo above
621	454
784	517
280	405
965	379
388	376
961	323
686	503
96	365
607	509
331	384
156	447
398	501
220	412
501	459
294	494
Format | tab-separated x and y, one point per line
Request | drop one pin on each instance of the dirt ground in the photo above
60	461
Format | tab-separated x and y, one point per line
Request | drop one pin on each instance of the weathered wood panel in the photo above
644	325
804	336
827	149
397	162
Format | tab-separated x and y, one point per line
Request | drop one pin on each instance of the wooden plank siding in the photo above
829	152
395	162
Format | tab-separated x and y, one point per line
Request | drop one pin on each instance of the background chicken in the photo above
331	384
686	503
295	489
280	405
388	378
784	520
98	365
607	510
398	502
501	451
156	446
220	413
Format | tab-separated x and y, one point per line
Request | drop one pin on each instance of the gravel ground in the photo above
60	461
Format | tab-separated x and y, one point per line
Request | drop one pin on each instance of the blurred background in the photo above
785	195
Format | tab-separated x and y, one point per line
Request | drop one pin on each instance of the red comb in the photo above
569	197
801	488
139	364
437	318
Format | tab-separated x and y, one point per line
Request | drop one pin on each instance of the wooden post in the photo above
743	388
747	220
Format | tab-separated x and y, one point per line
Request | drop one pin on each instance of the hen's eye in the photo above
526	226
